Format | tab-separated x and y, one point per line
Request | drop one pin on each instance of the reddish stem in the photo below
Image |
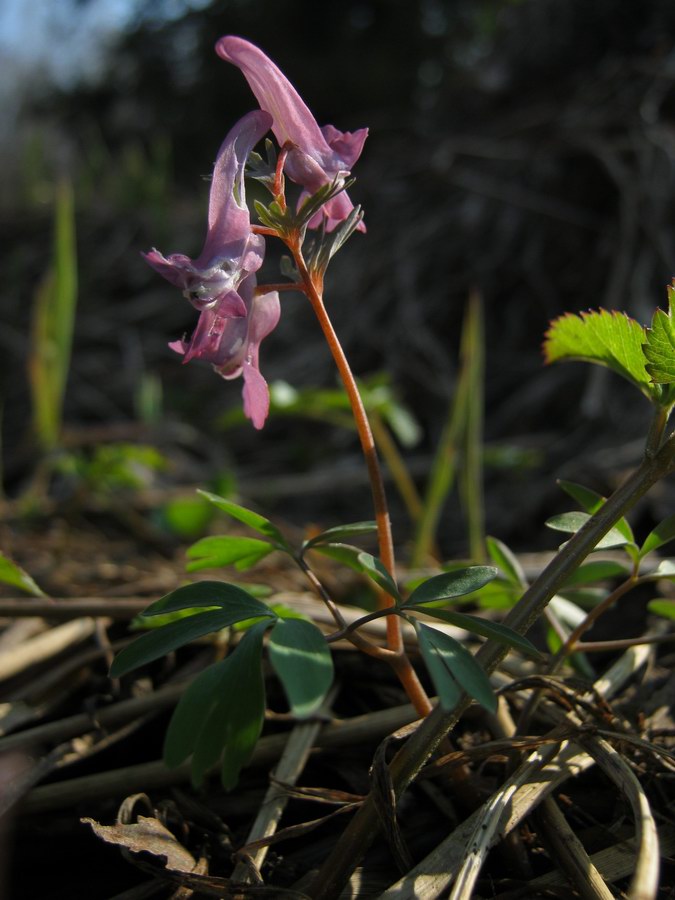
313	283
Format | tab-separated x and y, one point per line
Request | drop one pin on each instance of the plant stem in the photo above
358	836
313	283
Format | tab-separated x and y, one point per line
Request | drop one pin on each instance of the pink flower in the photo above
221	282
232	345
317	155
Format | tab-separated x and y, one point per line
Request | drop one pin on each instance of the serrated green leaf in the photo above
15	576
230	597
506	561
224	550
591	501
452	584
302	661
610	339
665	608
493	630
340	533
659	347
599	570
450	665
571	522
154	644
234	722
248	517
662	534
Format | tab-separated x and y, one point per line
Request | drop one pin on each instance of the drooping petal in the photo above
229	221
317	155
264	317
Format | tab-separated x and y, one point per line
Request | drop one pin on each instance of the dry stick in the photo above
44	646
400	663
534	780
292	762
146	776
570	853
357	837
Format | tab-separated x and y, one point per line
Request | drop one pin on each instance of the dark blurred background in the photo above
522	149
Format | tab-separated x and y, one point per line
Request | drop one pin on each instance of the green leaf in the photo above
209	594
302	661
232	718
600	570
665	608
192	714
374	568
452	584
506	561
14	575
225	550
248	517
154	644
591	502
659	348
571	522
340	533
451	665
610	339
493	630
662	534
666	569
361	562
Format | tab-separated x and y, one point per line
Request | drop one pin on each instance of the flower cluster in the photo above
221	283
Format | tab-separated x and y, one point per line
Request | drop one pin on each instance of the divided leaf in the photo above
610	339
452	667
221	714
218	551
340	533
234	605
662	534
493	630
505	560
362	562
571	522
15	576
303	663
591	502
248	517
452	584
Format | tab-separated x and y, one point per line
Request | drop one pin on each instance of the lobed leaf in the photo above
506	561
231	717
340	533
362	562
248	517
493	630
600	570
591	502
571	522
15	576
209	594
452	584
662	534
610	339
665	608
218	551
303	663
451	665
157	643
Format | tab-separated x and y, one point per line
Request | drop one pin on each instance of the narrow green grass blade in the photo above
53	321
